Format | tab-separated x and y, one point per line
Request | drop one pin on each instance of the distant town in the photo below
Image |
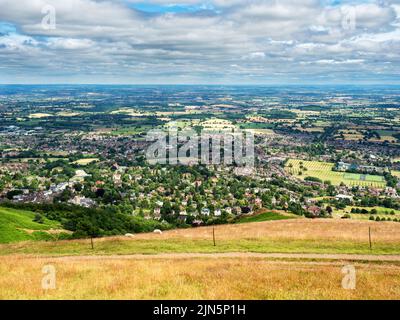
319	153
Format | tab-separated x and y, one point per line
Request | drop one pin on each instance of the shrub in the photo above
313	179
38	218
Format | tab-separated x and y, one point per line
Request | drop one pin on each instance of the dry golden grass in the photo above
296	229
328	236
114	270
201	278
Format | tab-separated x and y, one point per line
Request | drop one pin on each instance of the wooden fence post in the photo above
214	237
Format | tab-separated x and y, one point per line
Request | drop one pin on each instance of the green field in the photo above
396	174
266	216
18	225
324	171
129	131
382	213
119	246
84	162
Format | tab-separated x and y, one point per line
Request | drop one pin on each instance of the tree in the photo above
38	218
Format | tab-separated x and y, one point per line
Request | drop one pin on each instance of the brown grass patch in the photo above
200	278
299	229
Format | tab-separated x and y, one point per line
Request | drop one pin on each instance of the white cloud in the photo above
258	37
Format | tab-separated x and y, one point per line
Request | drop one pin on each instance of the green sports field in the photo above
324	171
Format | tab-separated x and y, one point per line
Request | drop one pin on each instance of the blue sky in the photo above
208	42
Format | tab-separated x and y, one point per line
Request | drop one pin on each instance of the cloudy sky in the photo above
195	41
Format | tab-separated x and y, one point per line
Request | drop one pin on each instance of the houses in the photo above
80	176
182	216
117	178
228	210
60	187
353	167
258	203
343	166
157	213
244	171
314	211
82	201
340	197
391	192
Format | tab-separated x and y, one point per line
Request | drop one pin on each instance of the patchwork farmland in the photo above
302	169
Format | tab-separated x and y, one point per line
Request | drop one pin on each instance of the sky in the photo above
200	42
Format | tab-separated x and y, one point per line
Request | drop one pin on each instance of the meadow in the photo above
185	264
18	225
84	162
324	171
329	236
188	278
396	173
266	216
381	213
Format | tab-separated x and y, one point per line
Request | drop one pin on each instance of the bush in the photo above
38	218
313	179
372	218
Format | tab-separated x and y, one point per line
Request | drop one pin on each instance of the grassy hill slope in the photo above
328	236
18	225
266	216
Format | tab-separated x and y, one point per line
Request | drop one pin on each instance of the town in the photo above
316	155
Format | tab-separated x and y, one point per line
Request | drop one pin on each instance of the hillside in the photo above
281	236
18	225
184	263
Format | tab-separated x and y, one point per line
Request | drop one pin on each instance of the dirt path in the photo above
300	256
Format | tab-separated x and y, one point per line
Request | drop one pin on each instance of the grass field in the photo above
84	162
266	216
18	225
201	278
133	130
114	270
284	236
40	115
382	213
323	171
396	174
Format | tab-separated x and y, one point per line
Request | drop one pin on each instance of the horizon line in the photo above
200	84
